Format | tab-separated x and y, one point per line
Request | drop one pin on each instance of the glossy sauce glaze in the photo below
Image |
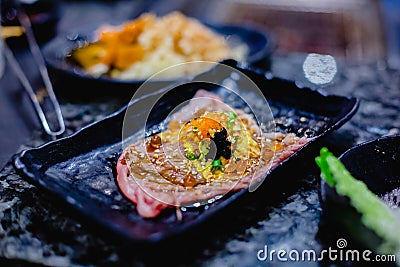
209	153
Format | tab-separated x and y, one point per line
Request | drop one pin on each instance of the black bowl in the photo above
377	164
70	79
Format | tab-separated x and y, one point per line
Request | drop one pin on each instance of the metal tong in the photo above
36	99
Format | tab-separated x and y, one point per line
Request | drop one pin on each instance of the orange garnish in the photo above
204	127
276	145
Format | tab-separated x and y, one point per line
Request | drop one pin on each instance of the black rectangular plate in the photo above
79	170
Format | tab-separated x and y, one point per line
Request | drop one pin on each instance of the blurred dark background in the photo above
357	30
362	30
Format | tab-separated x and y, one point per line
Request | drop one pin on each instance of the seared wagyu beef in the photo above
208	149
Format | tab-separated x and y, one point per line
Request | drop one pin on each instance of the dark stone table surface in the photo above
35	232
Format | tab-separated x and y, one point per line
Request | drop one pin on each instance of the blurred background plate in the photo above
71	79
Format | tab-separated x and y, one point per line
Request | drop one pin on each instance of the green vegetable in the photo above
195	129
204	148
230	125
191	156
231	117
375	214
216	164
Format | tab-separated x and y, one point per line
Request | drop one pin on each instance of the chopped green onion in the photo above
216	164
204	148
230	125
191	156
195	129
231	115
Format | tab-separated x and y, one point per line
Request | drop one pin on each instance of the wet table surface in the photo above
34	231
